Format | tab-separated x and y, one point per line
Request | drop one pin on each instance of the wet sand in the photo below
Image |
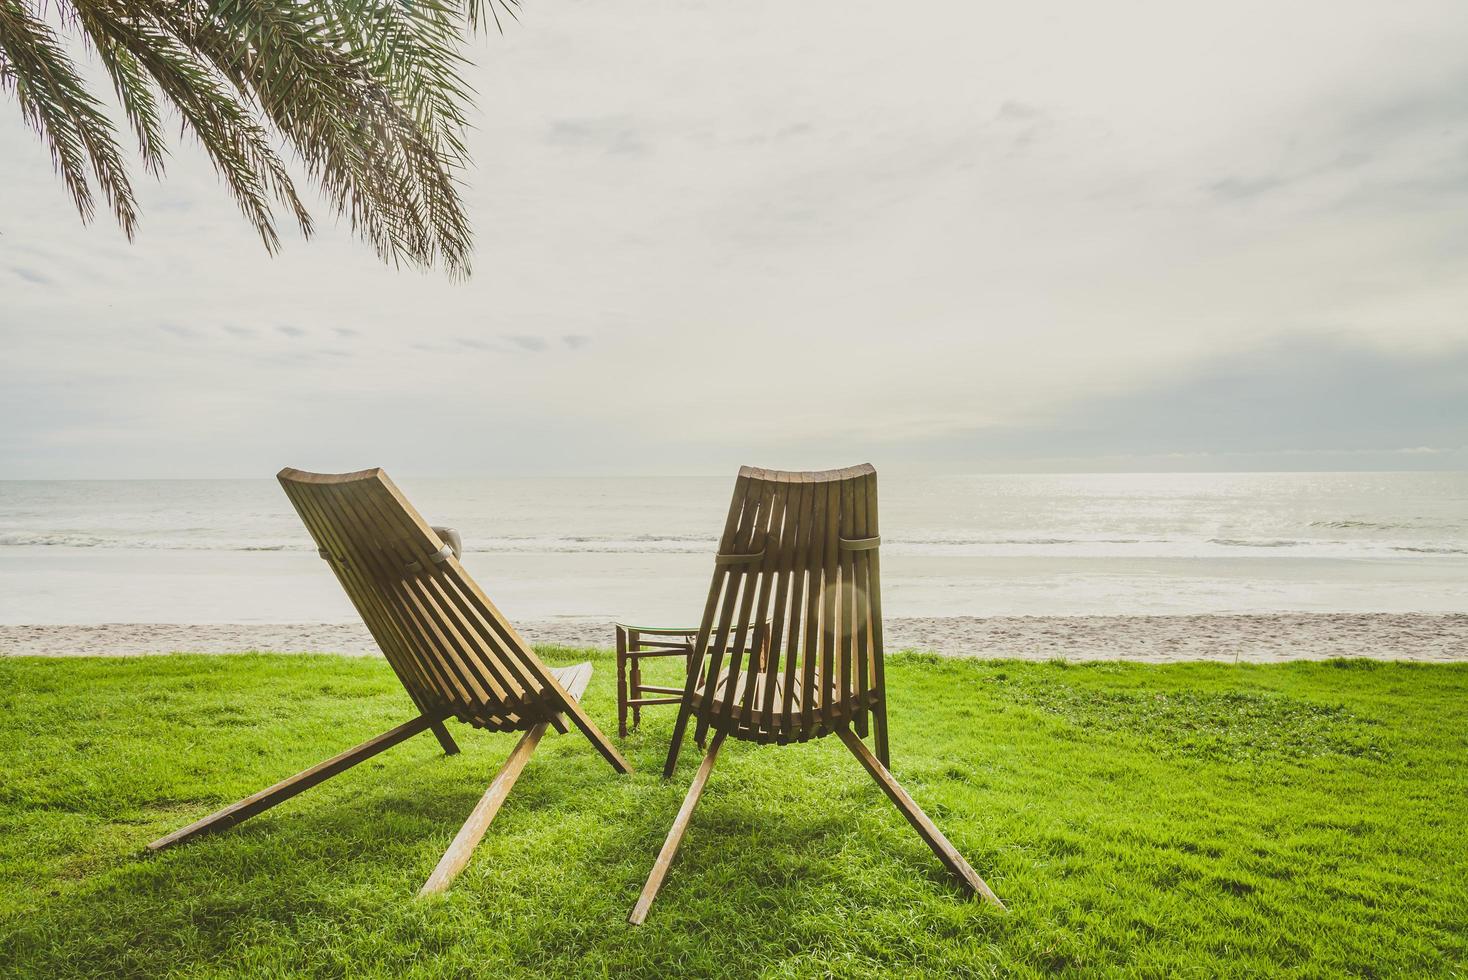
1265	638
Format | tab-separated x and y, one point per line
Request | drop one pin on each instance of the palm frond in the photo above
474	11
134	92
368	94
55	102
366	149
237	145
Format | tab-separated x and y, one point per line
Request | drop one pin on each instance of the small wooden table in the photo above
636	642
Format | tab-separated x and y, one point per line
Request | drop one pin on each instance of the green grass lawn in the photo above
1191	819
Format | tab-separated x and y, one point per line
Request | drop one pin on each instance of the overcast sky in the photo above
958	236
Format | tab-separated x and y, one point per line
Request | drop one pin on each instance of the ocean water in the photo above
1071	544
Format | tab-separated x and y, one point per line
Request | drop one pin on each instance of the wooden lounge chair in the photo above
454	652
799	549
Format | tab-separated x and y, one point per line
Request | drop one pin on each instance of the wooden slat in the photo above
788	621
874	598
363	601
569	678
750	586
691	632
511	649
675	691
385	556
499	644
376	568
391	527
863	611
737	686
705	628
361	589
490	644
480	647
739	531
783	563
815	592
483	669
829	588
846	640
773	531
811	649
362	596
713	634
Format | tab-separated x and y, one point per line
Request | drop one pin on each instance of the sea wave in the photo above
1266	543
964	540
44	540
68	539
1359	525
638	544
939	545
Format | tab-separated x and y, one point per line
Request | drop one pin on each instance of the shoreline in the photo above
1230	638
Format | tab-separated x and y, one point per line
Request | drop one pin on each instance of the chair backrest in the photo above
450	646
796	584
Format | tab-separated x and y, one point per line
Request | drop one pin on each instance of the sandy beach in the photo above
1270	638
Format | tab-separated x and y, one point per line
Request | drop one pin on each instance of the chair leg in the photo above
879	733
930	834
450	747
462	849
599	741
571	708
675	834
634	671
679	727
621	682
636	687
301	781
472	832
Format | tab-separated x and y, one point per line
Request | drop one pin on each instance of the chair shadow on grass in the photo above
570	847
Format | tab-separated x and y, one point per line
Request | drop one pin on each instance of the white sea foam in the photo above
952	545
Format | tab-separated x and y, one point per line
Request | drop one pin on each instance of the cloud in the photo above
610	135
31	275
179	330
1322	394
794	131
1245	188
1002	240
1012	111
1292	404
1390	148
